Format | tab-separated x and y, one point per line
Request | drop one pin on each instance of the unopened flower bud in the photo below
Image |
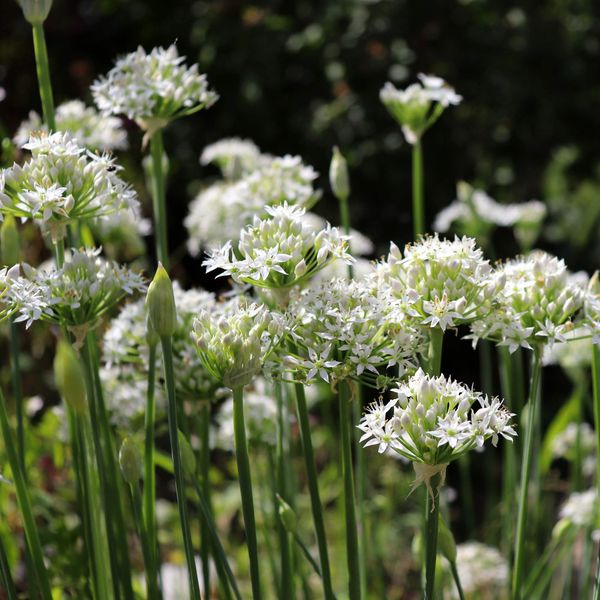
188	458
300	269
69	377
561	527
130	461
446	542
287	515
160	304
338	175
35	11
10	247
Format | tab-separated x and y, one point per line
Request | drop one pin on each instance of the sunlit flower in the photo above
234	156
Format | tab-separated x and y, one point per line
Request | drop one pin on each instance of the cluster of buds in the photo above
432	421
152	89
537	305
344	330
420	105
279	252
62	183
89	128
442	283
234	346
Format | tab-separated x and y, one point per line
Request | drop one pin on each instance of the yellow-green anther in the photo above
130	461
160	304
10	244
338	175
68	374
35	11
188	459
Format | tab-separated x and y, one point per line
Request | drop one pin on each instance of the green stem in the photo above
309	557
204	434
456	578
159	199
245	479
432	515
436	341
59	253
15	375
352	550
577	476
596	398
417	191
149	471
313	486
179	477
526	463
31	532
361	491
345	219
43	73
5	577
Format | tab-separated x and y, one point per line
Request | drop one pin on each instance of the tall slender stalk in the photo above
15	376
436	341
245	479
313	487
5	577
159	199
352	550
31	532
176	455
596	397
205	543
432	516
418	201
519	547
43	74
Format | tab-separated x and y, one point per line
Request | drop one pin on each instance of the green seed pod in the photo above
287	515
69	377
35	11
160	304
188	459
446	543
130	461
10	244
338	175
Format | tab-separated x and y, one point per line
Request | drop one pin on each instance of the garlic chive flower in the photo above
442	283
76	295
233	156
420	105
89	128
581	508
537	305
280	251
62	183
343	330
152	89
233	347
432	421
592	308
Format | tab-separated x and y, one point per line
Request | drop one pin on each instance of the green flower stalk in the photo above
162	316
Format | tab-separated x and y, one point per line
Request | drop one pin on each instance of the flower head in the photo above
420	105
153	88
234	156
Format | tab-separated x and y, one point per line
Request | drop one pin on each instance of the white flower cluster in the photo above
233	156
434	420
84	123
581	508
536	306
419	106
474	210
260	417
280	251
76	295
343	329
61	183
442	283
234	346
220	211
482	570
152	88
592	308
564	445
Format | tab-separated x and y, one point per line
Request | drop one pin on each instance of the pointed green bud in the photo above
446	543
188	458
160	304
561	528
151	336
130	461
287	515
35	11
10	244
338	175
68	374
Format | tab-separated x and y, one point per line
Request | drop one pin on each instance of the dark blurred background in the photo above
301	76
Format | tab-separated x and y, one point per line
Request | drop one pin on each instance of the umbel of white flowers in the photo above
62	183
152	89
420	105
432	421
